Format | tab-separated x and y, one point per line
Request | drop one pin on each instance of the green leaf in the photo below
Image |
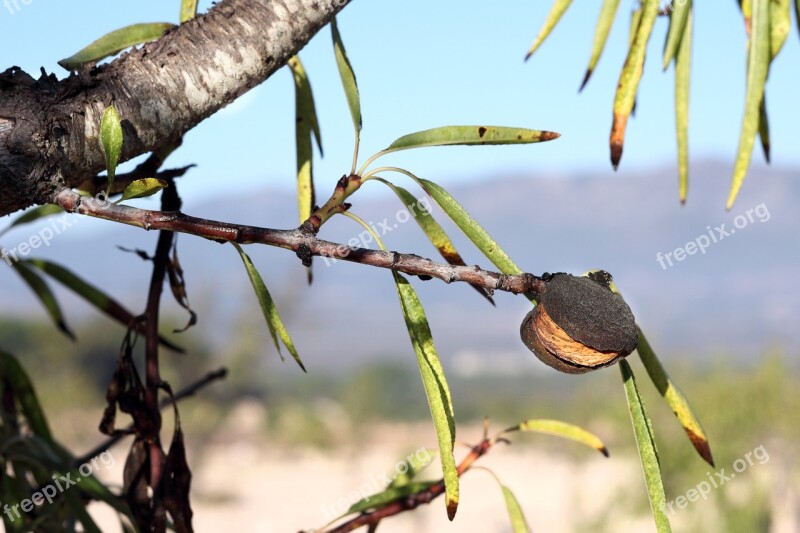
436	388
306	123
677	24
116	41
469	135
142	188
33	215
558	9
273	319
647	449
757	68
675	399
414	465
629	79
188	10
348	76
45	295
388	496
604	22
111	141
564	430
14	375
682	76
93	296
518	522
779	21
435	233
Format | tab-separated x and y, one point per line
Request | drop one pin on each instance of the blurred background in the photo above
275	448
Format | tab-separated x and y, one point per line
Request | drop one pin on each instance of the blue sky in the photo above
424	64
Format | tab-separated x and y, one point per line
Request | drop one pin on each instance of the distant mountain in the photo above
739	295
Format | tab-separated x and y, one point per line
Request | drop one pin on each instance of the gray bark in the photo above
49	128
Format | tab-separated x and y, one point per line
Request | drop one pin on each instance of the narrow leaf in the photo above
33	215
675	399
779	21
604	22
435	233
558	9
757	68
142	188
116	41
45	295
347	75
682	77
629	79
564	430
306	123
647	449
470	135
273	319
111	141
515	514
15	376
677	24
188	10
94	296
436	388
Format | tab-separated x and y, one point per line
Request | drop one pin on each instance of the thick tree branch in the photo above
49	128
301	241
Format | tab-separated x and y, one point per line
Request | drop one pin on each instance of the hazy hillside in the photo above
740	296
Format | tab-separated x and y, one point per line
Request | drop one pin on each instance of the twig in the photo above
185	392
301	241
414	500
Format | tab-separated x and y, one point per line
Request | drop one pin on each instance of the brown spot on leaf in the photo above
701	445
482	131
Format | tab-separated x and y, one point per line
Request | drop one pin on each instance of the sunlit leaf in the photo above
675	399
45	295
564	430
779	21
629	79
115	42
435	233
436	388
515	514
647	449
94	296
276	328
33	215
677	24
757	68
414	465
682	76
470	135
347	75
604	22
111	141
558	9
188	10
142	188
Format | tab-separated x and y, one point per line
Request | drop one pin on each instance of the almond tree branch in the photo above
49	128
302	241
411	502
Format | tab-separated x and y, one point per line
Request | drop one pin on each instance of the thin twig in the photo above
301	241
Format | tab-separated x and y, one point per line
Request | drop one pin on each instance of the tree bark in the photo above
49	128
